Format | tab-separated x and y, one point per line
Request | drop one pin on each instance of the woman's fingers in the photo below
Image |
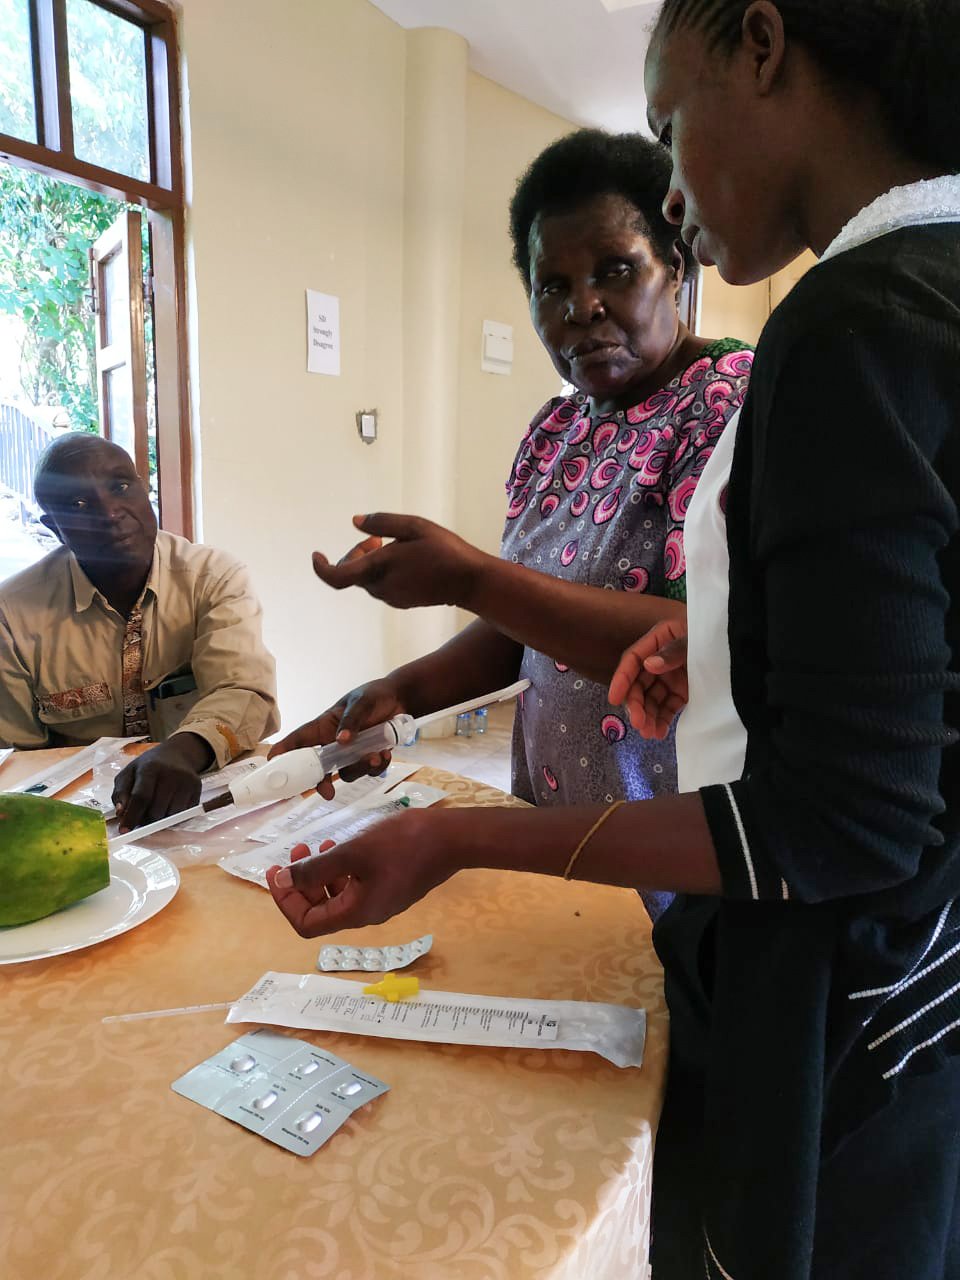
373	704
315	733
354	570
651	679
361	549
390	524
303	850
661	648
311	918
316	893
652	710
669	656
628	671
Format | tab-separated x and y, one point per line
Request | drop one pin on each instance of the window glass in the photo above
120	410
17	108
116	301
108	89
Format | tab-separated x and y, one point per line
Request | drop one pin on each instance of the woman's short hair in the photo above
589	163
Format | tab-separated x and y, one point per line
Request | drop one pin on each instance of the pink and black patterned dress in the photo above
601	501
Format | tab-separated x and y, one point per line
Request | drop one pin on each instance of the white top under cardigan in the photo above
711	739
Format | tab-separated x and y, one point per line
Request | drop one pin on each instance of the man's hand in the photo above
164	780
368	704
366	880
651	678
424	565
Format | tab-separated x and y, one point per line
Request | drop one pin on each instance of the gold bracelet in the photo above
589	836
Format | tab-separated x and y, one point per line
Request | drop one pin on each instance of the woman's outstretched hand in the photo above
425	564
651	678
366	880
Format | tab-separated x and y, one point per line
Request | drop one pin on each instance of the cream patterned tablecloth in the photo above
479	1164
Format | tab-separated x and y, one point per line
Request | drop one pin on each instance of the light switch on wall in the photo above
367	425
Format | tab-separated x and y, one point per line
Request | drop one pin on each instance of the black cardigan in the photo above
830	970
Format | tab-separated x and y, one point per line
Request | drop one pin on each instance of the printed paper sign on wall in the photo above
323	333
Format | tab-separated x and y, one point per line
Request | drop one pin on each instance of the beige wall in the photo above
296	155
784	280
504	133
728	311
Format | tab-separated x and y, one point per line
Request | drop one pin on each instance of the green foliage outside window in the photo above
47	226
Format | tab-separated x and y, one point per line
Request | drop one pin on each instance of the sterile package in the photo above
373	959
110	759
53	777
285	1090
253	864
365	791
322	1003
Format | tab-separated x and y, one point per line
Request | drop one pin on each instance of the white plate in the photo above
142	882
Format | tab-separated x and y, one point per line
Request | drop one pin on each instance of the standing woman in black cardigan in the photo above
812	1121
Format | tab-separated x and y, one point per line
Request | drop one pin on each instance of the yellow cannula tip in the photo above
393	988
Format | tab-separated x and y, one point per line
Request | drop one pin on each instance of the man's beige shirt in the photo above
61	651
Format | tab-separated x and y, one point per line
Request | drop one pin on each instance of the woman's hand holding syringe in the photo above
290	772
371	704
294	772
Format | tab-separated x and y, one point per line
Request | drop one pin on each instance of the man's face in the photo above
100	509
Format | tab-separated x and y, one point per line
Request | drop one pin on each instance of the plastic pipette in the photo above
167	1013
171	820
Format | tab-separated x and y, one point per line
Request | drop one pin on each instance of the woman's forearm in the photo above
583	627
651	844
478	660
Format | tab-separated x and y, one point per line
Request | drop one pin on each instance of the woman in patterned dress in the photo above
593	546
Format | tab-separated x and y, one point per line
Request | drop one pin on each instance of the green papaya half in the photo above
51	854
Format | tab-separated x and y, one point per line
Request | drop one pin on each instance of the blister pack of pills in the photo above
373	959
287	1091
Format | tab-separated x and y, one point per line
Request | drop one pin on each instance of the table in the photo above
479	1164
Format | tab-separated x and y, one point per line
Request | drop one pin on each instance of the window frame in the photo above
161	197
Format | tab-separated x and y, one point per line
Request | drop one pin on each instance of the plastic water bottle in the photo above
480	720
463	724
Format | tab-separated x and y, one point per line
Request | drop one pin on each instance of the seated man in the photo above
127	632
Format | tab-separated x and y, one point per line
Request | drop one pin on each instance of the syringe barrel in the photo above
297	771
368	742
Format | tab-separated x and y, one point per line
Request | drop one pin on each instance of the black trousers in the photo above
888	1197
